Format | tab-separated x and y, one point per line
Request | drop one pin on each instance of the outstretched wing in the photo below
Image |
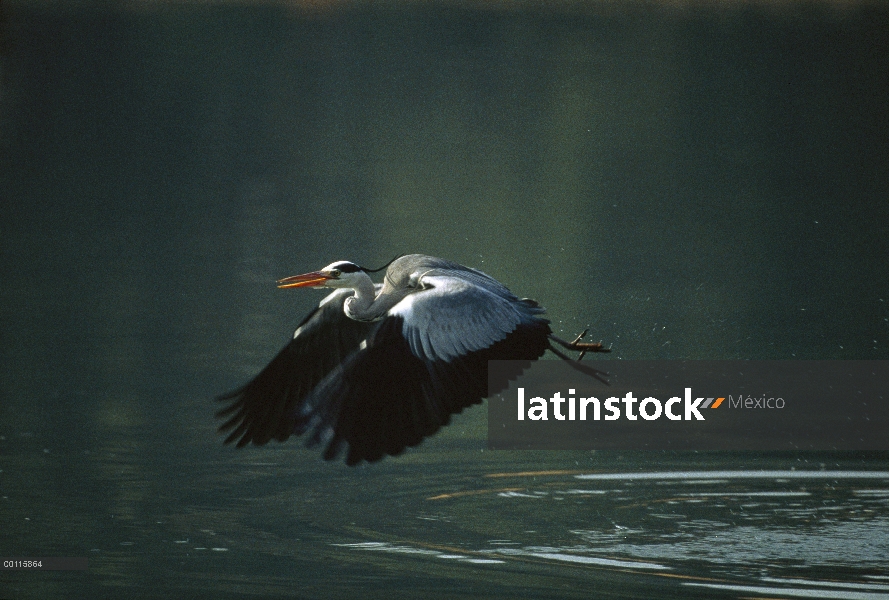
425	361
451	316
266	408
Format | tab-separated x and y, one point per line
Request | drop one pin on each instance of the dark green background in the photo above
692	180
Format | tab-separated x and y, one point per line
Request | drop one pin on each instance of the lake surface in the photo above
693	182
445	521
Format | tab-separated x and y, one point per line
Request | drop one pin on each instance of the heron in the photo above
376	368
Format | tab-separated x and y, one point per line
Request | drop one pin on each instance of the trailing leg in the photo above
582	347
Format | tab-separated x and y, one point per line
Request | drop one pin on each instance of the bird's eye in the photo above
335	272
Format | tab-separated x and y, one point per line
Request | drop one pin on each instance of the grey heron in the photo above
375	368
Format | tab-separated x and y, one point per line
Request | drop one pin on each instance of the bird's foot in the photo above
582	347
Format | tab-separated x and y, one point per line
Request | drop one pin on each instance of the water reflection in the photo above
448	515
787	528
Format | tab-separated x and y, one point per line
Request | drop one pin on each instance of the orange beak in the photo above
315	278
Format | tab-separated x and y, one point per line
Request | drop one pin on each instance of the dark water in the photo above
692	182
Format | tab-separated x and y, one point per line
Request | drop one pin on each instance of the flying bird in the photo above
375	368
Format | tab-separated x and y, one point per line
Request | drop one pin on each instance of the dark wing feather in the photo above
386	398
377	388
268	407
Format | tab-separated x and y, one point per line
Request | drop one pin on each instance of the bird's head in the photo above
341	274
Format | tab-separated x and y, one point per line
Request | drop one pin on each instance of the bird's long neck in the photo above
365	305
